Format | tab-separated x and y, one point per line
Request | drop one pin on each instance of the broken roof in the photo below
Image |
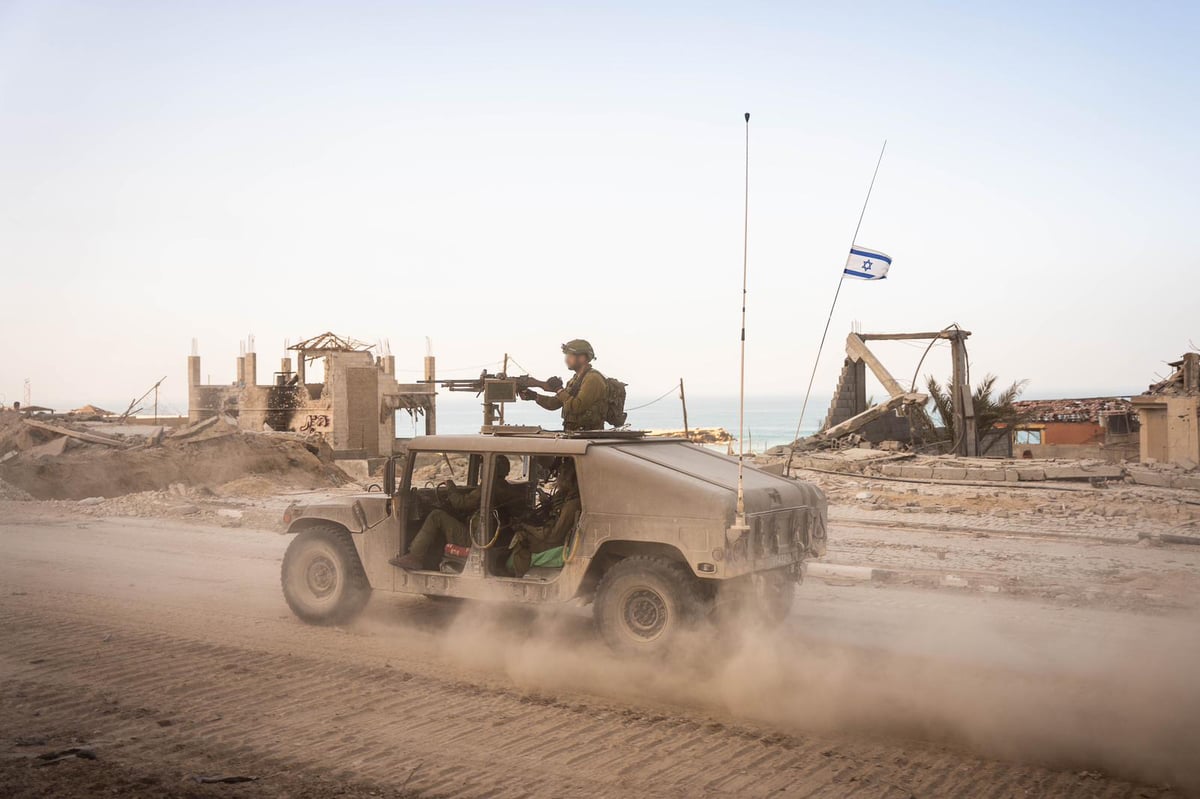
1090	409
332	342
1185	379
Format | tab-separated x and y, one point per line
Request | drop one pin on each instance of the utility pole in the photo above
962	403
430	377
683	401
504	372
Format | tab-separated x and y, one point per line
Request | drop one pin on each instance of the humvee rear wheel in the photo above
643	602
323	579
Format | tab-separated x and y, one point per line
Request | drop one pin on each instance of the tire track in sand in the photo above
152	697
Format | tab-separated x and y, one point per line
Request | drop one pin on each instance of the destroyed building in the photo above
1094	427
894	419
1170	415
353	409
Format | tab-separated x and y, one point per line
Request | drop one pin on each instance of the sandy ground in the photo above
163	651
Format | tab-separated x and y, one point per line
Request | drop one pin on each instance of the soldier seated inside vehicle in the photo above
450	522
541	539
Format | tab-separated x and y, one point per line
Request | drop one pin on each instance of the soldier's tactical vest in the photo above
611	407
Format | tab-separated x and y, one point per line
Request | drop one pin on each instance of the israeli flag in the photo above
867	264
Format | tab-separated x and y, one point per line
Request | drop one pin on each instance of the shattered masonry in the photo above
353	410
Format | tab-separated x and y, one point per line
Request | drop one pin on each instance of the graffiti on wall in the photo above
315	423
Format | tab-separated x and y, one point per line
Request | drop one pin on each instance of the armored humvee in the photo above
655	546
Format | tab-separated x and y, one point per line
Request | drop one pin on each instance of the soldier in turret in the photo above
584	399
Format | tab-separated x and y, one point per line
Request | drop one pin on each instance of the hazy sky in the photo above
503	177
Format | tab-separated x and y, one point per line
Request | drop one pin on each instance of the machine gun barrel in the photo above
503	382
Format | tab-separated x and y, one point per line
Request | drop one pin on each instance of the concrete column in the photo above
300	366
1191	372
251	369
193	372
240	380
389	364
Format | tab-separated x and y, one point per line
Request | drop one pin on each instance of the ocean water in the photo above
770	421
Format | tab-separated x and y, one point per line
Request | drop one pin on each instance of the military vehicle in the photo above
656	546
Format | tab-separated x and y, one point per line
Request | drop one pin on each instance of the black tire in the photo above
762	601
323	579
643	603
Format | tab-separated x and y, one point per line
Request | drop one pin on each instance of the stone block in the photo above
890	470
1081	473
949	473
916	472
1148	477
1031	474
1011	475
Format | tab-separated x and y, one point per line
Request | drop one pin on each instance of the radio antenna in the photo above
740	522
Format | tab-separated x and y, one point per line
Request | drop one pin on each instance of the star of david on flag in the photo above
867	264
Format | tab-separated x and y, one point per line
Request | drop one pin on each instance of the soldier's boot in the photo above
409	562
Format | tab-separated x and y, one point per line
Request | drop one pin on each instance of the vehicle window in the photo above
550	486
518	468
433	468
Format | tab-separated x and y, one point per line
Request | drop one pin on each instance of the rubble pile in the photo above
889	463
1109	510
70	460
11	493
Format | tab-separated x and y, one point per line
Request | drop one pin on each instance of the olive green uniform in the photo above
443	527
532	540
583	401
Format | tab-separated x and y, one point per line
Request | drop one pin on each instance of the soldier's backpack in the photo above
614	402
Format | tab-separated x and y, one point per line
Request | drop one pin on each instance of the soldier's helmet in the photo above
578	346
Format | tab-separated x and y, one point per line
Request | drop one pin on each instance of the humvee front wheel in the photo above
323	579
642	603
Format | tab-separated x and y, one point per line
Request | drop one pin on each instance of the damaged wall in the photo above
1170	415
353	410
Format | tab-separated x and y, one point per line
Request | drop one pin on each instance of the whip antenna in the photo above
740	523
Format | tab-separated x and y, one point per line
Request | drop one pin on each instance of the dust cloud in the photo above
1129	706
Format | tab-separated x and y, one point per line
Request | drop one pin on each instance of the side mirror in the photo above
389	476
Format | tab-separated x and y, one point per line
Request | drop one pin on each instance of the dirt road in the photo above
166	651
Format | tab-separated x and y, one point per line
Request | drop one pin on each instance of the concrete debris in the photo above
53	461
90	438
50	449
951	469
13	494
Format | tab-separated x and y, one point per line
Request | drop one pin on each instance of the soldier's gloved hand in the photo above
554	383
525	394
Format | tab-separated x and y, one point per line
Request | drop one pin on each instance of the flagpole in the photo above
841	279
740	521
